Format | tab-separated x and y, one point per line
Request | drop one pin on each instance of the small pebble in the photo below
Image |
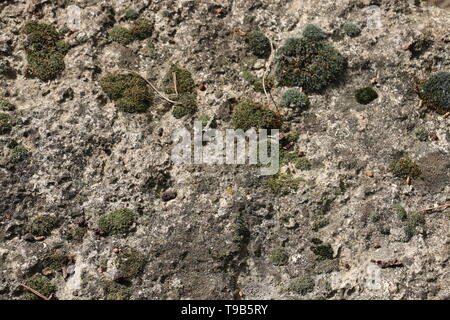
169	195
28	237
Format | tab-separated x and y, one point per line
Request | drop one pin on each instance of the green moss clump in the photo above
55	261
405	167
187	105
323	251
249	114
241	231
141	28
312	65
256	82
5	123
7	106
128	90
43	225
131	14
121	35
130	263
400	211
365	95
116	291
45	51
314	33
302	285
351	29
279	257
413	220
282	183
295	99
41	284
117	222
18	154
435	92
77	234
185	83
422	134
302	164
258	44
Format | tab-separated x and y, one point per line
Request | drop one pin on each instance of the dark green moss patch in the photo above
279	257
130	263
413	220
186	105
351	29
249	114
18	154
43	225
312	65
185	83
131	14
45	51
41	284
435	92
365	95
118	221
314	33
400	211
128	90
77	233
121	35
405	167
282	183
422	134
302	285
116	291
55	261
258	44
241	231
142	28
7	106
5	123
323	251
300	163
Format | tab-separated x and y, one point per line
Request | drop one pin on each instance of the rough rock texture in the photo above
213	237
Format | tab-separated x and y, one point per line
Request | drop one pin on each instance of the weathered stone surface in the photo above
214	239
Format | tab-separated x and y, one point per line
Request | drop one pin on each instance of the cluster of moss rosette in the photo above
365	95
309	62
117	221
258	44
249	114
435	92
129	91
140	29
405	167
45	50
351	29
295	99
185	87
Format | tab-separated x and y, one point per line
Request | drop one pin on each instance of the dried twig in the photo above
174	76
266	72
37	293
446	115
436	208
159	93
